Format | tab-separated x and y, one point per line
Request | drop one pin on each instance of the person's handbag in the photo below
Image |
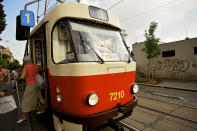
39	80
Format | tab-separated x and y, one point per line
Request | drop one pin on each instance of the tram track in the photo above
171	115
181	112
131	128
166	87
194	107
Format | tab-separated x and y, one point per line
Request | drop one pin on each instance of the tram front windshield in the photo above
94	43
90	43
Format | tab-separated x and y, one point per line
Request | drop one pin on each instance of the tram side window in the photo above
38	52
62	51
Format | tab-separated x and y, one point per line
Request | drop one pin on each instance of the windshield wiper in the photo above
84	45
129	60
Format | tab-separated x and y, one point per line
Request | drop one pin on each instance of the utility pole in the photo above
45	8
78	1
1	53
1	47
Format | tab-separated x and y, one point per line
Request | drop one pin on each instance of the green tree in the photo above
5	62
14	65
151	47
151	43
5	56
2	18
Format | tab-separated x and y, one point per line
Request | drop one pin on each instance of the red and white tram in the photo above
89	71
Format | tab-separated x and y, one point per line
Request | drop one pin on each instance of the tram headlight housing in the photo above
58	94
134	89
59	97
92	99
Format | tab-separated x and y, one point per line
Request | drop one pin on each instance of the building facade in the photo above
4	50
178	60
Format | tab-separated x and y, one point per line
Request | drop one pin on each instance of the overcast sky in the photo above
175	18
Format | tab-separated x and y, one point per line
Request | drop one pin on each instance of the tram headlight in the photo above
92	99
58	94
59	98
134	89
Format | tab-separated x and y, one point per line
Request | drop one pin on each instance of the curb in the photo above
168	87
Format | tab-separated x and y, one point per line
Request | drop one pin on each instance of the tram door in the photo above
39	58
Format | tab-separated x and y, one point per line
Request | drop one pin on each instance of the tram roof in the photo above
76	11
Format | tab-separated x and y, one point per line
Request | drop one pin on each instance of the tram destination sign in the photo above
98	13
27	18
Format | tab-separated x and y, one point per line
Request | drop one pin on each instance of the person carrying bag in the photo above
39	80
32	92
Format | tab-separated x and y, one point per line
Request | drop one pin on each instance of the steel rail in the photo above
178	117
128	126
166	87
169	102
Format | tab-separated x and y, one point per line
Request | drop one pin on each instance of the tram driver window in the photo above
62	48
97	43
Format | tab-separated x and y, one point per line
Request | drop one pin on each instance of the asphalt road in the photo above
8	120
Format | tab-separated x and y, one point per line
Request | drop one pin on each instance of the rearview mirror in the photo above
22	32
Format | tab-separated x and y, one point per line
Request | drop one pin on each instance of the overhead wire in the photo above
149	10
48	3
144	12
115	4
160	6
38	12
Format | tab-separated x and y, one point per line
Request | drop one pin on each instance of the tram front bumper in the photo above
100	117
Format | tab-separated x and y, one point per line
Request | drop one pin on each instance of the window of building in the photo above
170	53
195	50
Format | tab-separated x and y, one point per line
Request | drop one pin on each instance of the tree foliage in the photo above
151	43
14	65
5	63
2	18
5	56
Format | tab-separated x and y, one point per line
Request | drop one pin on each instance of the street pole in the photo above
45	9
78	1
1	53
29	3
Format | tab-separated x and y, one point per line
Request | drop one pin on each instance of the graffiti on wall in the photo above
172	65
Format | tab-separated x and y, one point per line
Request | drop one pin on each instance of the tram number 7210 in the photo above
116	95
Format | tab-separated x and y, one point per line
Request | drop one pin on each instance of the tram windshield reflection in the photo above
98	44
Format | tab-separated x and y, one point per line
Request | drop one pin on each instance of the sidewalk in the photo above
8	120
187	85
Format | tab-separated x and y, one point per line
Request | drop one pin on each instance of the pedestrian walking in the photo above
32	91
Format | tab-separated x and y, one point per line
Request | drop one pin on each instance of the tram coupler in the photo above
113	123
